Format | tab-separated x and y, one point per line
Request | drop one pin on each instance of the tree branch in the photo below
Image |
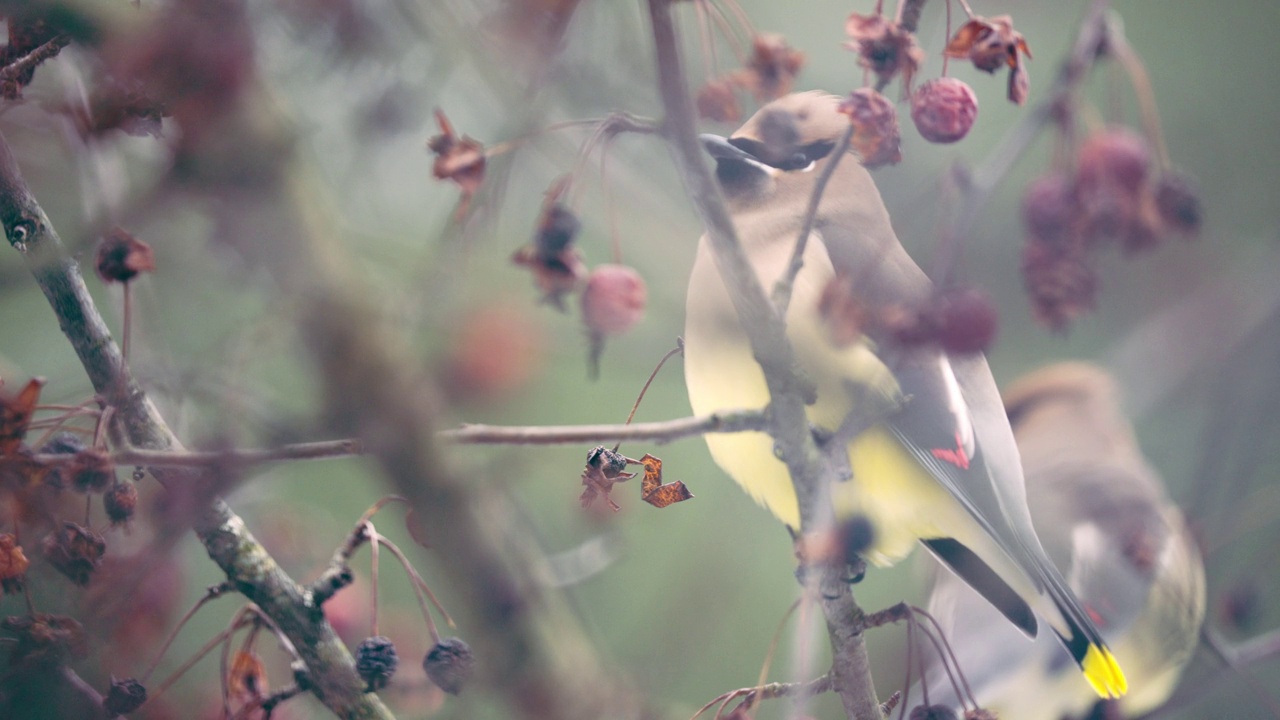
137	421
788	390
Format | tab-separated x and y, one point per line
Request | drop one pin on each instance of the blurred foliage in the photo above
684	600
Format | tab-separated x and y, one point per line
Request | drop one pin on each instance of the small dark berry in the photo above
75	551
121	257
92	471
933	712
124	697
376	661
449	664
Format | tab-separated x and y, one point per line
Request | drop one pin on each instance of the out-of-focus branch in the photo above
851	676
137	422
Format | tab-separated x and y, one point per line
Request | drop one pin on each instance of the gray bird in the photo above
942	466
1105	520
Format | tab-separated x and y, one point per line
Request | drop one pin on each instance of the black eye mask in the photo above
798	160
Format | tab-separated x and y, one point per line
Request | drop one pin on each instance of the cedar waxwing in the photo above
1104	519
941	466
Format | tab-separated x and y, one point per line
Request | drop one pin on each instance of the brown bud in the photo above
944	109
121	257
124	697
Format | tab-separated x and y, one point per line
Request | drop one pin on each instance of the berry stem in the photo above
964	5
1124	54
946	58
373	572
679	348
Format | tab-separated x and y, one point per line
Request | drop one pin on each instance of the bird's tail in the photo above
1083	641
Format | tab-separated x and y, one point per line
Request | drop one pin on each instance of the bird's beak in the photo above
719	147
733	161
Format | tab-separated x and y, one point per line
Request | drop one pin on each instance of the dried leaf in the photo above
556	264
653	491
247	678
990	44
15	415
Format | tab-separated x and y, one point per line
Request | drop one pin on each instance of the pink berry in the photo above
967	321
1049	206
614	299
944	109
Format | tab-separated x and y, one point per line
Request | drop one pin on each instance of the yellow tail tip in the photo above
1104	673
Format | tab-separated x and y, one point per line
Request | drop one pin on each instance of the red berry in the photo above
944	109
614	299
1114	158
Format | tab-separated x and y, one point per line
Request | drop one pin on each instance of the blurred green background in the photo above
682	601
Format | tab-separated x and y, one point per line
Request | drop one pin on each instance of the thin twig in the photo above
664	431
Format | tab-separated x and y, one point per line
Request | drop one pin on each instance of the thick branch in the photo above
224	535
788	390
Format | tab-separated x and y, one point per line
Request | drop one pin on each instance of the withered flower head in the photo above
875	121
75	551
124	697
772	68
884	47
990	44
121	257
376	661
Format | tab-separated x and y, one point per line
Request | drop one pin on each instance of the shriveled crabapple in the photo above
944	109
614	299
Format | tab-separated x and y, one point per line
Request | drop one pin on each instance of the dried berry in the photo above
717	101
875	121
944	109
120	501
772	68
376	661
124	697
121	257
75	551
1060	280
967	320
884	47
44	638
1178	203
1049	207
557	266
92	471
449	664
13	564
1115	159
614	299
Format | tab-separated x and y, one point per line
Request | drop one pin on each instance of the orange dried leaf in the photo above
247	678
15	415
653	491
990	44
13	564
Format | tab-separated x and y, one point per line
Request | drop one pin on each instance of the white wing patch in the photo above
965	440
